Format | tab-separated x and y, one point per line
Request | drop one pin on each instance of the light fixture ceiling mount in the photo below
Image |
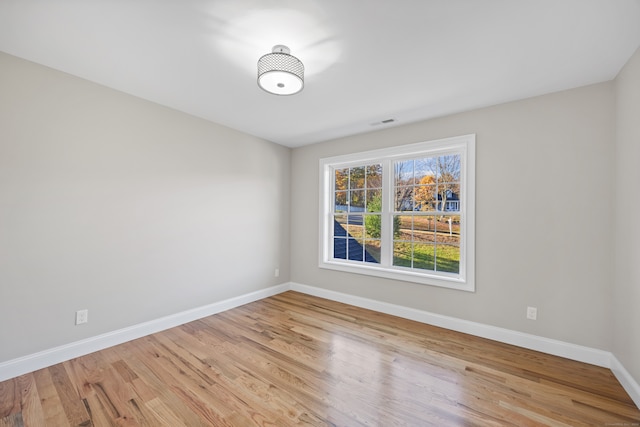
280	73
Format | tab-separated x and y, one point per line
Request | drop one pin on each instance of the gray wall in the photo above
126	208
543	216
626	307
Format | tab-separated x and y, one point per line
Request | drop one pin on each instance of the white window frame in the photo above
464	146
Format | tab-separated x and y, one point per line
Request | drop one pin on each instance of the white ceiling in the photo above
366	60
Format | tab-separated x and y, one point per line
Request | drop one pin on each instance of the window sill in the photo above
398	274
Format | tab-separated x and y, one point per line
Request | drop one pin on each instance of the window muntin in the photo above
404	212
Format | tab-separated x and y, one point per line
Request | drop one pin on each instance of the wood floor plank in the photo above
13	420
298	360
164	414
74	409
50	400
168	388
9	398
33	415
102	389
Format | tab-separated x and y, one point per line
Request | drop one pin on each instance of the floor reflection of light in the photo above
354	365
385	382
244	31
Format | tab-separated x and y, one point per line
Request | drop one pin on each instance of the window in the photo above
404	213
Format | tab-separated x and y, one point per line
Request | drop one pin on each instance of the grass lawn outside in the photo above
429	245
427	256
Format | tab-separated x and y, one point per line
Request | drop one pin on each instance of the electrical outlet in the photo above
532	313
277	273
82	316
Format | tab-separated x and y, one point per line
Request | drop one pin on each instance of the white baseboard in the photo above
626	380
43	359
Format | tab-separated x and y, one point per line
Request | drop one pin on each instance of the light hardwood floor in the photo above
294	359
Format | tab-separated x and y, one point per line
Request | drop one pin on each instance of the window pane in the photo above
424	228
404	199
448	258
355	251
449	168
425	223
372	226
427	169
355	227
339	248
356	180
374	200
424	256
374	176
372	251
340	226
341	202
448	229
341	179
425	198
448	194
356	201
403	173
402	254
403	227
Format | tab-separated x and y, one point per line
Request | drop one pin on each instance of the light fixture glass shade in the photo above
280	73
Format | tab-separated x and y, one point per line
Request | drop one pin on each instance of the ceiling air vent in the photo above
383	122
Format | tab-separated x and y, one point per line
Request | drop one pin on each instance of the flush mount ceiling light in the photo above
280	73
